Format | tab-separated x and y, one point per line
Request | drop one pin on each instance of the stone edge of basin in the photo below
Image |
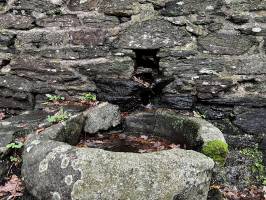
203	133
63	132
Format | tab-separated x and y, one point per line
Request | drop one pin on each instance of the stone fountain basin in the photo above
53	169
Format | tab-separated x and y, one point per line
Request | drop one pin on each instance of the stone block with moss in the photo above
217	150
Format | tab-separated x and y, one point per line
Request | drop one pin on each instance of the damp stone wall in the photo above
205	56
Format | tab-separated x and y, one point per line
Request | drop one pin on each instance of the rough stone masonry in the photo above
207	56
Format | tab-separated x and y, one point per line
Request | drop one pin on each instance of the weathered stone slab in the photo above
226	44
11	21
40	6
252	121
186	7
36	39
191	131
126	93
71	53
51	71
7	41
68	131
178	101
242	65
121	8
59	21
99	20
175	173
112	67
101	117
153	34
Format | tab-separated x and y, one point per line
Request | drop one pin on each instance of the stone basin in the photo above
54	169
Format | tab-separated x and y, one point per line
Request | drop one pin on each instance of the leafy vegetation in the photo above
88	97
54	98
217	150
15	145
59	116
257	168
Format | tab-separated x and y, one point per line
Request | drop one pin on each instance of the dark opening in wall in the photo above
4	62
147	72
147	65
123	19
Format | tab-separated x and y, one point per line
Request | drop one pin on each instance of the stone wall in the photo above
207	56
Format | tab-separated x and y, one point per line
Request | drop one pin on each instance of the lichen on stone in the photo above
217	150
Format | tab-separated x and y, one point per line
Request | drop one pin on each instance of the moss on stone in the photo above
217	150
257	168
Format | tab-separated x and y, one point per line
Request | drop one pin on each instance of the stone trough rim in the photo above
204	135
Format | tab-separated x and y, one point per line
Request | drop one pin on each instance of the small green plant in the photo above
217	150
15	159
15	145
54	98
88	97
59	116
257	168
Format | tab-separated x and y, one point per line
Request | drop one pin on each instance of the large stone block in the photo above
11	21
121	8
252	121
242	65
38	39
58	21
112	67
226	44
41	70
40	6
102	117
186	7
153	34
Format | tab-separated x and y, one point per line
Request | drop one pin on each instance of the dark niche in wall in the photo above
147	70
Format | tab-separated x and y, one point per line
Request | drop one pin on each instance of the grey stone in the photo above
40	6
226	44
125	93
26	122
166	123
112	67
71	173
252	121
6	137
59	21
186	7
68	131
241	141
35	40
119	7
10	21
99	20
240	65
7	41
63	78
102	117
178	101
153	34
